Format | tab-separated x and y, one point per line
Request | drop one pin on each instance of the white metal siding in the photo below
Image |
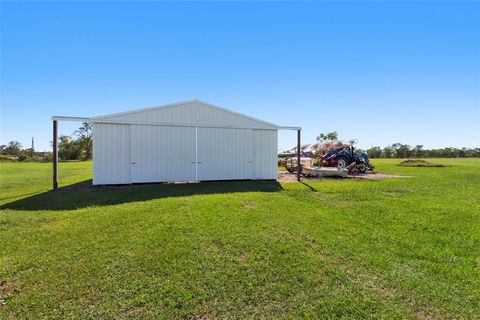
193	113
224	154
265	154
160	154
111	154
210	144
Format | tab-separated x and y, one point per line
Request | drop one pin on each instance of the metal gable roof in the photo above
180	104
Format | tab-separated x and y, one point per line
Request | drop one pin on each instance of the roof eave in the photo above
69	118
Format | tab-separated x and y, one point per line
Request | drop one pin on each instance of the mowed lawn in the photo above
395	248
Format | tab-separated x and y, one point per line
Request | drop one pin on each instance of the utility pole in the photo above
32	150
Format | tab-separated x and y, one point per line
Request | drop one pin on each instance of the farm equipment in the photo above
317	171
333	158
290	163
348	156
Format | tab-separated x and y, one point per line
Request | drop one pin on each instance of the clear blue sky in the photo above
382	72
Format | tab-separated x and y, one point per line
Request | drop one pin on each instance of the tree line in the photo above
77	146
14	150
399	150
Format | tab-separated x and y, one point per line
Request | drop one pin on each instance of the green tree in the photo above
69	149
84	139
374	152
387	152
13	148
418	151
327	136
401	150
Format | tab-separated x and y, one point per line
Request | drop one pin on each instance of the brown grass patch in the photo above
240	257
420	163
5	290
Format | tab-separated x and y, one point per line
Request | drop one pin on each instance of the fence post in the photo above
298	156
55	154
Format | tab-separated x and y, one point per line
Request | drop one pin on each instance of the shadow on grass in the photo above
309	186
83	194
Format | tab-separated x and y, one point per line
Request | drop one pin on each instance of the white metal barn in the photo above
184	141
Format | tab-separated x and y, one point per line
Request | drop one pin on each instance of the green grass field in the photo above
394	248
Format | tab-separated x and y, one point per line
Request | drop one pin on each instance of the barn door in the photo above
224	154
265	154
111	163
162	153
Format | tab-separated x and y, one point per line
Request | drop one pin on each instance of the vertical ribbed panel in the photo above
143	153
111	154
224	154
265	154
162	154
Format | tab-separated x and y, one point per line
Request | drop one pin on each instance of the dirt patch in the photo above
420	163
249	205
376	176
199	317
285	176
6	290
429	314
289	177
240	256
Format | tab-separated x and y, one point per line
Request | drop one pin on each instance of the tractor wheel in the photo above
342	162
362	168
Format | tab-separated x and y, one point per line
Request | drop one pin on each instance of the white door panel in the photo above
160	154
224	153
265	154
111	163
